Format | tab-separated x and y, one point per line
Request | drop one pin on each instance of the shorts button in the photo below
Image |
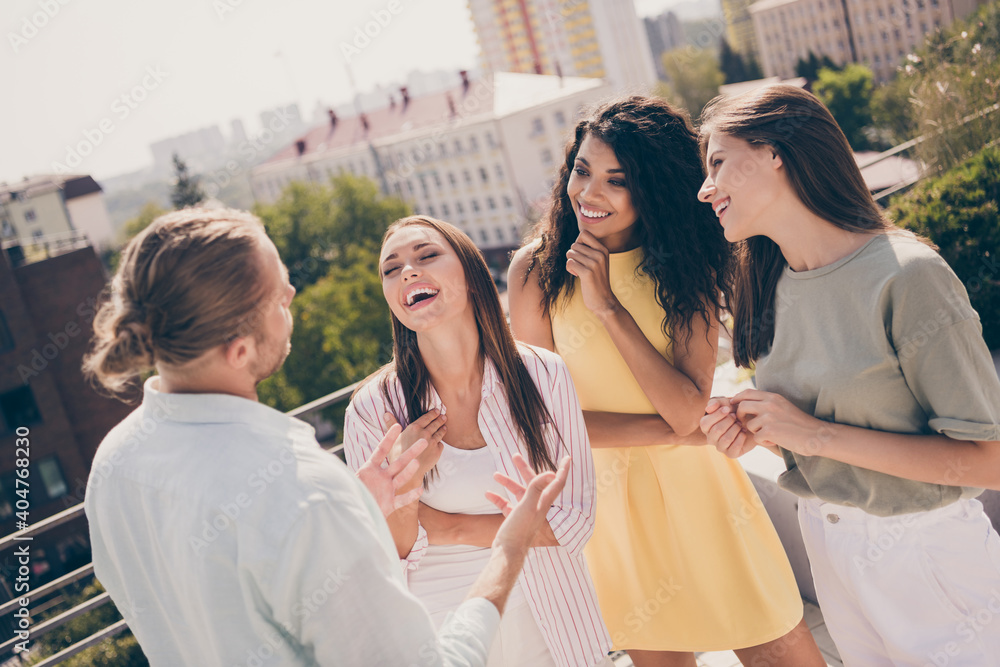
832	518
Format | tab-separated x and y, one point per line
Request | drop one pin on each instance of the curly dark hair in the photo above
684	249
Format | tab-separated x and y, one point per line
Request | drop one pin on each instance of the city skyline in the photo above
108	81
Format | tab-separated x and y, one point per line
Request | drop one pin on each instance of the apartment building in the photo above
50	205
483	155
877	33
589	38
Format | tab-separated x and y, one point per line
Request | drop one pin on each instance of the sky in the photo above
89	85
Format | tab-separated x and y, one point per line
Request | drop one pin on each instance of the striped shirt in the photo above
555	580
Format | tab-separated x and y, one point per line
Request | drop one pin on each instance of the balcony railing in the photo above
54	587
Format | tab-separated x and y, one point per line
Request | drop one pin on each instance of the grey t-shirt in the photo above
884	339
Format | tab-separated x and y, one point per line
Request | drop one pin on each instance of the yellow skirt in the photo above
684	557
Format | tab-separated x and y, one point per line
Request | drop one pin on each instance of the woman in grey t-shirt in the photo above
874	385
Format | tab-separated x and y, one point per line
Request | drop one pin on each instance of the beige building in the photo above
483	156
740	31
877	33
49	206
589	38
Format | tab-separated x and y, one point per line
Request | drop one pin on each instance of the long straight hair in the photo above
821	170
496	344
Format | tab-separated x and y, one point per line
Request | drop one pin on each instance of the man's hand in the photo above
527	516
384	483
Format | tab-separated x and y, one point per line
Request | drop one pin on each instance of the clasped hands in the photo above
752	417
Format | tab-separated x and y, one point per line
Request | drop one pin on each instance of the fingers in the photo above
708	422
751	395
425	419
727	441
527	474
407	457
511	485
748	408
389	419
502	503
555	487
407	498
588	239
382	451
715	403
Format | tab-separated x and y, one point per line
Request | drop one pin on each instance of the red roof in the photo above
421	112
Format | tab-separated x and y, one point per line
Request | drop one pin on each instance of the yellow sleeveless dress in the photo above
683	555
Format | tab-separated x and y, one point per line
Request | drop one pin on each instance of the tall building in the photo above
588	38
51	205
45	327
200	149
483	155
665	34
877	33
740	28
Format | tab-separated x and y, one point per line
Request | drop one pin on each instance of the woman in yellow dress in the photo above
624	279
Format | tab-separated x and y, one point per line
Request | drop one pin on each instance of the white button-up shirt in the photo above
555	579
226	536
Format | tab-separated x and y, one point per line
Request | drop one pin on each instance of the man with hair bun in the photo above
222	530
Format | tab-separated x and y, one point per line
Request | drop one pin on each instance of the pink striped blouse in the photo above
555	579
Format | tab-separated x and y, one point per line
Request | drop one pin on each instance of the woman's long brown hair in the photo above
496	344
821	170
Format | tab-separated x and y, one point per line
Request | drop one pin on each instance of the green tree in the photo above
119	651
342	334
952	85
694	76
960	212
892	119
329	238
311	223
186	191
735	67
808	68
847	94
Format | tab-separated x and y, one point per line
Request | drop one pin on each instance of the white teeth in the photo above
591	213
722	207
420	290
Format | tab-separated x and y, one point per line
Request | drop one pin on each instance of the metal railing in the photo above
76	512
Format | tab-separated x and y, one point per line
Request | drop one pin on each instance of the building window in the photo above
29	215
37	235
18	408
458	146
437	179
430	211
490	141
459	208
475	206
560	119
507	202
482	236
483	175
515	233
6	229
473	144
451	179
467	176
499	235
491	203
546	157
445	211
442	149
537	127
52	478
499	171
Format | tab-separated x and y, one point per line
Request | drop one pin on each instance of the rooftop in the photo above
72	185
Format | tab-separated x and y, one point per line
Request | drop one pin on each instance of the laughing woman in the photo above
873	383
625	283
459	380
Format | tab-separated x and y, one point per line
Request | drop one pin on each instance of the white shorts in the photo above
917	589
